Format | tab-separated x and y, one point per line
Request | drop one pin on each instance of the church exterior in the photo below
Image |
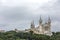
42	28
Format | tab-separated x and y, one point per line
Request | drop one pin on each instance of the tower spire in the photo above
49	20
32	24
40	21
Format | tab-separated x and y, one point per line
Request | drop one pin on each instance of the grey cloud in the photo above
20	17
17	17
17	13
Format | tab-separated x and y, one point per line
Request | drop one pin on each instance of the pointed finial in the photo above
40	21
49	20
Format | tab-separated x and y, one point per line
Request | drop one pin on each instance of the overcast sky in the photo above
19	13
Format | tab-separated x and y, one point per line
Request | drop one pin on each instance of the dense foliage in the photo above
12	35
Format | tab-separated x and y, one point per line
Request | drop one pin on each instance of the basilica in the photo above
42	28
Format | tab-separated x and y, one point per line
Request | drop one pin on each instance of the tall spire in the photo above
49	20
40	21
32	24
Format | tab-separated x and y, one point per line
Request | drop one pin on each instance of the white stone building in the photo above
42	28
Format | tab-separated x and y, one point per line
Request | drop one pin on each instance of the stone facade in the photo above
42	28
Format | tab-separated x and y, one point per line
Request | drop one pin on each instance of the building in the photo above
42	28
2	31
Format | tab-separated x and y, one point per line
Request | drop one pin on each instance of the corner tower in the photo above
32	25
49	21
40	27
49	27
40	21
